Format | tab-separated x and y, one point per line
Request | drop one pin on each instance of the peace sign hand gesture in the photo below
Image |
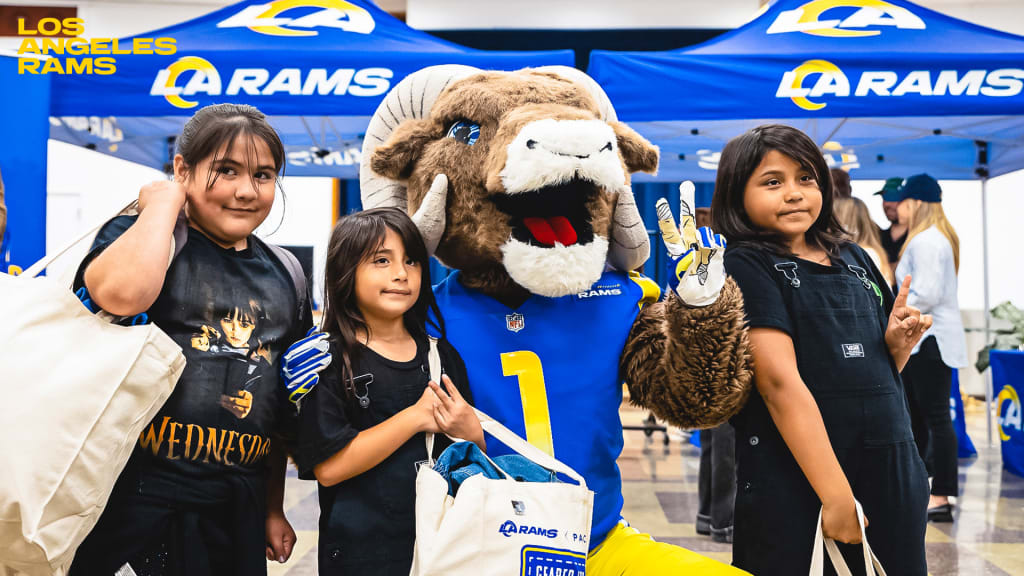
906	326
695	269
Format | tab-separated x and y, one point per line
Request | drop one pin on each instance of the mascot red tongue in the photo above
565	321
547	231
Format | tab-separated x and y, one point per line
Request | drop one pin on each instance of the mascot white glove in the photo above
695	265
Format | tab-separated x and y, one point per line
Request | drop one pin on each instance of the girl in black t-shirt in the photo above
202	492
830	422
361	429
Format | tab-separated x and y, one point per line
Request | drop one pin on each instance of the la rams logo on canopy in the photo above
1008	408
175	84
845	18
830	81
300	17
205	79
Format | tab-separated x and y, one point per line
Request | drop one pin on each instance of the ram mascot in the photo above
520	182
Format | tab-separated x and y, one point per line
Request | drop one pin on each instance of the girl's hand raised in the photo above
454	415
163	192
906	325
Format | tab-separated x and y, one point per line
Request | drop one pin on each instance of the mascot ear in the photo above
639	154
395	158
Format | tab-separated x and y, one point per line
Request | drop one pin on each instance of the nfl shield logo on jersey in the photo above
515	322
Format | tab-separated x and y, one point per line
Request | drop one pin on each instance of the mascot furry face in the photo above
537	167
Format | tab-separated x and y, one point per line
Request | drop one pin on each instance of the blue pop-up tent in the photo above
885	87
319	68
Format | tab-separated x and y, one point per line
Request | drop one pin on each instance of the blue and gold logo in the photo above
861	18
294	18
1008	408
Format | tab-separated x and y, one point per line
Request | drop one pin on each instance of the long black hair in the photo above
740	158
355	239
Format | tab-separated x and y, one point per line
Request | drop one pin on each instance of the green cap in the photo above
891	191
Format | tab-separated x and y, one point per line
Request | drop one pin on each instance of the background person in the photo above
716	484
892	238
840	183
932	256
853	215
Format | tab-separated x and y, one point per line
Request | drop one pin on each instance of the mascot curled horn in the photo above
520	181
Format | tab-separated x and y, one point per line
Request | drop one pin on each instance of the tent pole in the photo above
988	331
981	171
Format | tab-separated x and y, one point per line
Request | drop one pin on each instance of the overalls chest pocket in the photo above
838	337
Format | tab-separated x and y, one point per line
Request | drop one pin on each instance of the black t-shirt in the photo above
233	313
892	247
367	523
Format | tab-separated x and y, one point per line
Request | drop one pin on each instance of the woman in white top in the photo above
931	256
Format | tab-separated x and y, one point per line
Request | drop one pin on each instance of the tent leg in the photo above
988	332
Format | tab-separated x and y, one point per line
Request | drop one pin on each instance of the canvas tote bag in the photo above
872	567
500	527
75	393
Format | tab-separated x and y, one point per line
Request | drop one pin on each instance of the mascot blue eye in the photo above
464	131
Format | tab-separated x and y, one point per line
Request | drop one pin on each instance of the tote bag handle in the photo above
503	434
872	567
179	237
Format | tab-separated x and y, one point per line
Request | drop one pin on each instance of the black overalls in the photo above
836	316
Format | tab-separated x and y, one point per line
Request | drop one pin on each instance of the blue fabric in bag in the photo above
463	460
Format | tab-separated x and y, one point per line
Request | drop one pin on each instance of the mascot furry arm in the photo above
521	182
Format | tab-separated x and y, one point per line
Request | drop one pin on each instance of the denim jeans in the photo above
463	460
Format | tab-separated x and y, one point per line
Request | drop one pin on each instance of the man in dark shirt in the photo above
896	235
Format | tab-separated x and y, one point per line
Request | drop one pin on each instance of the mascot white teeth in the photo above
520	181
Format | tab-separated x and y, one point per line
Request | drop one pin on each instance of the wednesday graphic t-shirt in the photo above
233	312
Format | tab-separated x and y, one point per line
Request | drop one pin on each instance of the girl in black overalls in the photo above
830	422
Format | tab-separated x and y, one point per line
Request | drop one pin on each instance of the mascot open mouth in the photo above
550	215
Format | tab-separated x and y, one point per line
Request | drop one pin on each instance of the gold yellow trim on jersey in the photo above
651	292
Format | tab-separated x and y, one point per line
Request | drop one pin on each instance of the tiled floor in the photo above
660	488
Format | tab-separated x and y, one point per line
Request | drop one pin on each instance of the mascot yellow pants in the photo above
629	552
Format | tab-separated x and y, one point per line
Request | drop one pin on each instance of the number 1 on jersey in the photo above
525	366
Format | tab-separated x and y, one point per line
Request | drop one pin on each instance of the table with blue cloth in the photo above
1007	383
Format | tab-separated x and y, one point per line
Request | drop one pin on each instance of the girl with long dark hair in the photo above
361	429
202	492
829	423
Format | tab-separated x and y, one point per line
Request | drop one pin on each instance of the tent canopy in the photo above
885	87
318	68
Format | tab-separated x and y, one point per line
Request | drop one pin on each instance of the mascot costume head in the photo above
537	167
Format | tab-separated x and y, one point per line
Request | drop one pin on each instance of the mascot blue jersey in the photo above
548	371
